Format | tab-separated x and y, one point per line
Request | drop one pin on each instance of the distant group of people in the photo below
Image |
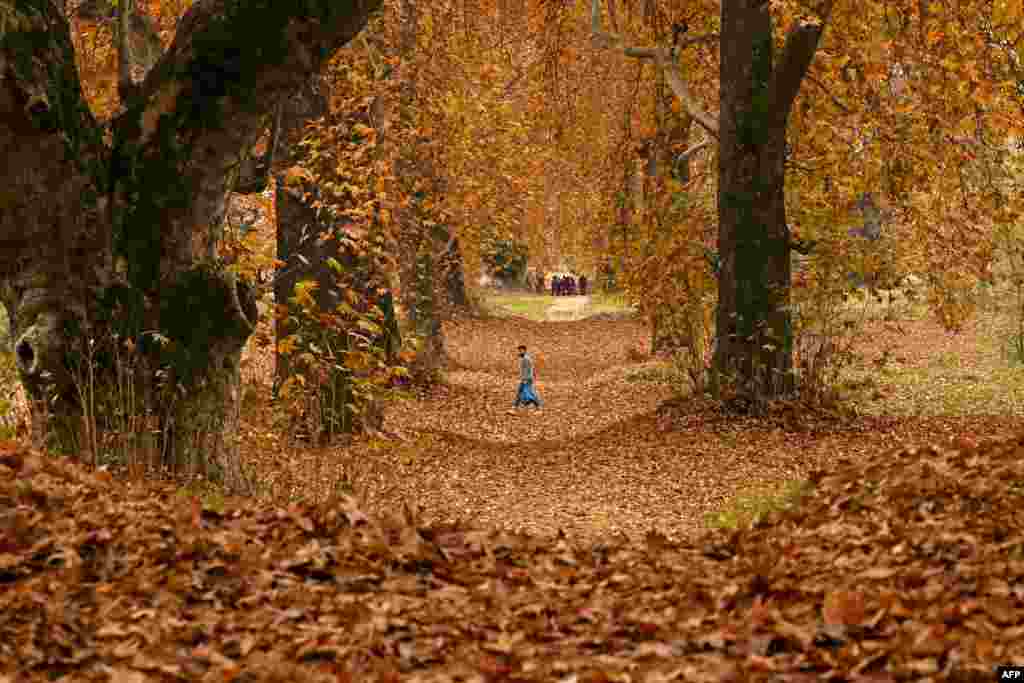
568	285
560	284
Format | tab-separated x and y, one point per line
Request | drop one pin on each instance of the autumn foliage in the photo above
137	583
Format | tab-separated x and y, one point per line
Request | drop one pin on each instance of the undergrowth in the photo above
531	306
752	506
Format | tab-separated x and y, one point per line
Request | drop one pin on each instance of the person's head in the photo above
522	349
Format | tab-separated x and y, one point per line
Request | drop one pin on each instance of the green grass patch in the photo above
532	306
748	508
982	377
660	373
608	302
209	495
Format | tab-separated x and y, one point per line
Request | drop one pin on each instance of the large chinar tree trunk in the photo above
116	237
754	327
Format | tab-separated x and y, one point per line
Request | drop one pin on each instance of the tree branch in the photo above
665	59
137	42
692	150
125	86
674	77
206	101
801	44
52	145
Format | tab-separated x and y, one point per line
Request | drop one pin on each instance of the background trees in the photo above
884	101
617	135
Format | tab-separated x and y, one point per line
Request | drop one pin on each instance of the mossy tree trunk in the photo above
102	238
306	240
756	95
454	275
423	244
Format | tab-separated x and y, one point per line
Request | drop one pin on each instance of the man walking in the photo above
526	393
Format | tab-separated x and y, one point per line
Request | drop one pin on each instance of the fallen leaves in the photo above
898	563
112	585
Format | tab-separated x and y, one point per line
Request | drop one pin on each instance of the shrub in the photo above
748	509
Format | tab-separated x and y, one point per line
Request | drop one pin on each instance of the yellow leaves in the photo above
1009	12
966	126
296	176
304	293
983	95
286	346
364	130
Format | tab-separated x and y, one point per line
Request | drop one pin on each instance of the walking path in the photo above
599	458
568	308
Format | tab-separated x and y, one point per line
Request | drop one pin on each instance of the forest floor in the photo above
902	559
602	459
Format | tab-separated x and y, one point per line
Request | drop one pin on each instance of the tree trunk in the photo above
307	238
298	227
107	243
423	245
305	243
753	321
454	275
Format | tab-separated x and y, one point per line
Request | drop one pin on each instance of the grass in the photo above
535	306
748	508
659	372
608	302
935	372
531	306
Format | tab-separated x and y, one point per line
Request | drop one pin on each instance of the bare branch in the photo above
692	150
801	44
641	52
125	86
675	80
665	61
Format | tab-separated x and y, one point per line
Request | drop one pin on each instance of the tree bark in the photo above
423	245
118	241
454	275
306	239
753	320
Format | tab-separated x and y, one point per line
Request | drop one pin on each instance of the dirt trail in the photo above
598	459
594	461
568	308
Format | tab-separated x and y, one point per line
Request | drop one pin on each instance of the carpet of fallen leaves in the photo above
607	454
902	565
563	545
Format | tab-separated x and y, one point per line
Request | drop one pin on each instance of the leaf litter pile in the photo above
906	565
901	563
